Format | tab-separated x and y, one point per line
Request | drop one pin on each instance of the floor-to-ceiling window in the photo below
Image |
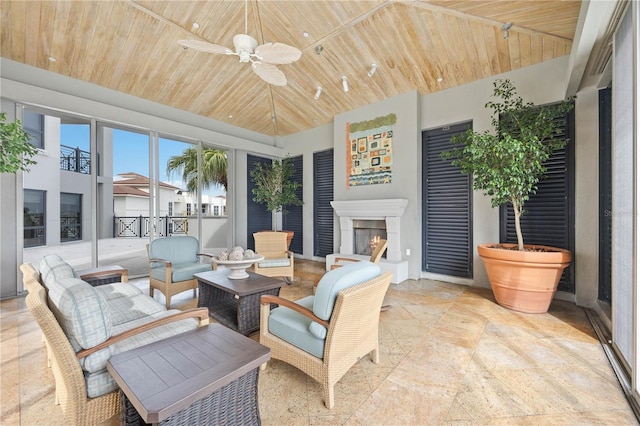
103	191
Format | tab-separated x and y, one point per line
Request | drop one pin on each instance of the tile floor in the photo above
449	356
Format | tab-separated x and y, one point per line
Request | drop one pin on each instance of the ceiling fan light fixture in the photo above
372	70
345	85
318	92
262	58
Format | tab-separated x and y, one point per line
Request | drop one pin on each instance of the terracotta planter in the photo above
524	281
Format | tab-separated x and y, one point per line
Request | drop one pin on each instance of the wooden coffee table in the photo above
204	376
235	303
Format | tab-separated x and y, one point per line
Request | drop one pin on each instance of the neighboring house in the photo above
131	198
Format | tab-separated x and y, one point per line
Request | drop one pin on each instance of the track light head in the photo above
506	27
373	69
345	85
318	92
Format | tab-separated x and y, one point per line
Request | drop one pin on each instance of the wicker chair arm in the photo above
268	298
346	259
105	272
201	313
167	263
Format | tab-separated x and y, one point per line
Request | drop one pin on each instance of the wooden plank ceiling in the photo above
131	47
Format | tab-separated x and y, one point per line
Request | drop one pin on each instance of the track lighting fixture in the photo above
318	92
372	71
345	85
506	28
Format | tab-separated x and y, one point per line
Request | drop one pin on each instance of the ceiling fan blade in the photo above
269	73
277	53
204	46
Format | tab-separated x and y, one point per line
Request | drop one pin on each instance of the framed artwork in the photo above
370	151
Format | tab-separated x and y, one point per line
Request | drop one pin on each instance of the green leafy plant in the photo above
15	149
274	185
508	163
214	168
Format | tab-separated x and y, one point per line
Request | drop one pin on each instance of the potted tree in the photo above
275	188
15	149
507	165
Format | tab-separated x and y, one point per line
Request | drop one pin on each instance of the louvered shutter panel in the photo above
549	214
447	212
604	279
258	217
322	197
292	220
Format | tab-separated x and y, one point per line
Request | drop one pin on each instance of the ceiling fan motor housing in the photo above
244	45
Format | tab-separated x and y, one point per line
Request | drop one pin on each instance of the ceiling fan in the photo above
262	58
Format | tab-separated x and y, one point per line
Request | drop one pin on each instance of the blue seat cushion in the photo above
181	272
275	263
293	327
333	283
336	280
177	250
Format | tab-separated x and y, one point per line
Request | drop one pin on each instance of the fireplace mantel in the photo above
389	210
362	209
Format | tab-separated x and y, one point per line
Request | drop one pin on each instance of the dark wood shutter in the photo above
258	217
447	208
605	190
292	220
549	214
322	197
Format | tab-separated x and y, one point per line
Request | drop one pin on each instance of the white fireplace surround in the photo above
389	210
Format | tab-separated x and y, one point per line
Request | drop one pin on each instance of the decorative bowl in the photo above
238	268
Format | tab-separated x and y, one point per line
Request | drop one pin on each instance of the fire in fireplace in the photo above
367	234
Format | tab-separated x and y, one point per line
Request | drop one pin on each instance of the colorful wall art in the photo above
370	151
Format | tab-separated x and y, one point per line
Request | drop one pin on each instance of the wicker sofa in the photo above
83	326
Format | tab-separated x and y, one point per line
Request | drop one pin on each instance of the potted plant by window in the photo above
507	165
15	149
275	188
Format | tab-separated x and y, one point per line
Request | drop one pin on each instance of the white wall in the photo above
542	83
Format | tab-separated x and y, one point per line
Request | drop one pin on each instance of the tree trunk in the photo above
517	211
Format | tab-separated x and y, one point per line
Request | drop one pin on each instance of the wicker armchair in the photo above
71	390
351	330
172	263
278	260
375	256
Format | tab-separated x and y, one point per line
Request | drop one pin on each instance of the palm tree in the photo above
214	168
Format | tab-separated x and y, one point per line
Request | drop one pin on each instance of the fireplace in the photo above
366	235
388	212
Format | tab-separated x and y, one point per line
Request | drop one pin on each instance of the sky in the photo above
131	153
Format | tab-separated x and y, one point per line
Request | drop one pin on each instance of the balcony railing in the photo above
75	160
140	226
